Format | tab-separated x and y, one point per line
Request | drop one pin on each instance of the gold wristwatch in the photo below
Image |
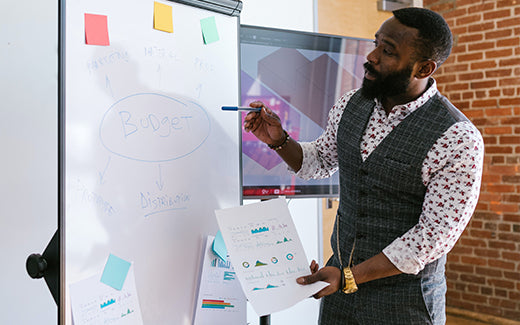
350	285
347	281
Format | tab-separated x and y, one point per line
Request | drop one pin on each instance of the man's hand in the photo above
328	274
265	125
376	267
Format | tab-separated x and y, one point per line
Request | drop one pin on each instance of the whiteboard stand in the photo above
265	320
46	266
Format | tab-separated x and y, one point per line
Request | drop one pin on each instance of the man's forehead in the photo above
395	33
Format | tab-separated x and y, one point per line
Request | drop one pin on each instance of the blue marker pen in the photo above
241	108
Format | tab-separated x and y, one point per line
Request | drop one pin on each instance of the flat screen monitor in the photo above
299	75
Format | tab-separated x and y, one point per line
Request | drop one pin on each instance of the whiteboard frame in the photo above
61	160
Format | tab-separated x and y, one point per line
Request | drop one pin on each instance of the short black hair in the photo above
434	40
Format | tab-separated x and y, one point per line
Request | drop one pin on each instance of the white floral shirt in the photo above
451	172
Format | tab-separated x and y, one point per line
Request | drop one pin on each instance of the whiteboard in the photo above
147	154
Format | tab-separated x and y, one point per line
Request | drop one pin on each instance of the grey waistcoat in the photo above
381	198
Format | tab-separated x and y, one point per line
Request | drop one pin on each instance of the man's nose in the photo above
373	57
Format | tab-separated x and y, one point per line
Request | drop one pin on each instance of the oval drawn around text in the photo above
154	128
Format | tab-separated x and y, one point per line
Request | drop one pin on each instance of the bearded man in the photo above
410	169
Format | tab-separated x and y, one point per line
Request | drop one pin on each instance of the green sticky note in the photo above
115	272
209	30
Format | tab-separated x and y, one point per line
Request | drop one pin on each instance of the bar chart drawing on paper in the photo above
262	239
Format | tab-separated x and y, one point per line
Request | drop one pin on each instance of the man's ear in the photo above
425	69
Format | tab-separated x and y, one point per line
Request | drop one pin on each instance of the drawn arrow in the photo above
102	174
159	73
109	85
198	89
160	183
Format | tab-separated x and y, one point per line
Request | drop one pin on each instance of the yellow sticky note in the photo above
162	17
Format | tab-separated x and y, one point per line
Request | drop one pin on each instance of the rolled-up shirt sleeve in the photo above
452	173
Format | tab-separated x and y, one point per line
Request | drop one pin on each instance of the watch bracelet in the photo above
350	285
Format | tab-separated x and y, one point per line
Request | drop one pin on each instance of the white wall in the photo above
285	14
28	142
306	213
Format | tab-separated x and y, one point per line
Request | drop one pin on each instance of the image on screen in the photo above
299	75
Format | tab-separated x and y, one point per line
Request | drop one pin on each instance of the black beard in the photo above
393	84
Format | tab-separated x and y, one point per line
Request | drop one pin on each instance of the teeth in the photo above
369	75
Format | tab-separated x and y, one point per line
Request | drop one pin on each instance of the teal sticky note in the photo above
219	247
209	30
115	272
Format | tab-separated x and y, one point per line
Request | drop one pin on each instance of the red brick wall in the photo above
482	78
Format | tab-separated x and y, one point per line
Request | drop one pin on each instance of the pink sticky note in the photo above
96	30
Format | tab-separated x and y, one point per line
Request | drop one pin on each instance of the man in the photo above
410	170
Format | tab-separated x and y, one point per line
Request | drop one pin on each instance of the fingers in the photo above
255	119
265	112
251	122
313	278
308	279
270	116
324	292
314	267
329	274
256	104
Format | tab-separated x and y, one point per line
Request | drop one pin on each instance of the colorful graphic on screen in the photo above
299	76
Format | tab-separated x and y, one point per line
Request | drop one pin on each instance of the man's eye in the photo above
387	52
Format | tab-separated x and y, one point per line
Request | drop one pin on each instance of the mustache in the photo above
370	69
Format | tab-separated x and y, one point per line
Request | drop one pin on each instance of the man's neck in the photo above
414	91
